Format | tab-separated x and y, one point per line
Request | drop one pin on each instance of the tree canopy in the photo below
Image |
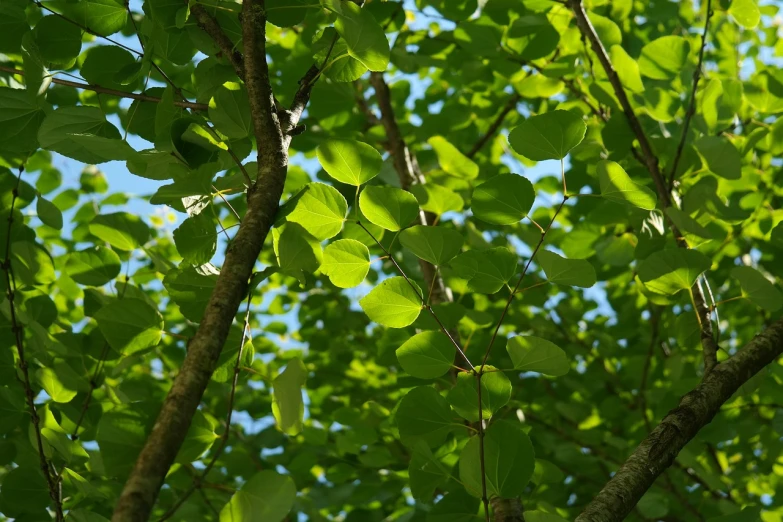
410	261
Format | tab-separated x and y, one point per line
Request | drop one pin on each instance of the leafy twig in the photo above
511	104
697	74
419	294
648	158
16	327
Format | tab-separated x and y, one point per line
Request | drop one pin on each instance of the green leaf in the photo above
617	186
54	386
93	266
196	239
423	414
31	263
451	160
533	354
130	325
455	508
426	473
627	69
436	245
509	461
503	200
297	251
721	155
121	230
495	393
13	26
664	58
349	161
573	272
104	17
486	271
393	303
669	271
758	288
390	208
342	67
746	13
121	435
201	435
58	40
532	37
56	130
229	110
49	214
266	497
288	406
320	209
687	224
548	136
103	64
427	355
437	199
346	262
190	288
20	119
25	490
365	39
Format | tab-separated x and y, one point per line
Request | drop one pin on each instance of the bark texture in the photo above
696	409
507	510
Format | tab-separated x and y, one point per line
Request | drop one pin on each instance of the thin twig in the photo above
521	277
419	294
198	480
104	90
23	363
493	128
697	74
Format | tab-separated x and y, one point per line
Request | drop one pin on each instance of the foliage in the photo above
509	241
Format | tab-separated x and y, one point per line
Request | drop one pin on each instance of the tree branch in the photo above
696	409
263	198
692	105
648	158
510	106
113	92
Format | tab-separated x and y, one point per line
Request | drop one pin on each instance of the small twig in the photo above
113	92
484	498
697	74
493	128
419	294
521	277
23	363
198	480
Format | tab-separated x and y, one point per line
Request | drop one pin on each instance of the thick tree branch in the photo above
409	173
263	198
692	105
113	92
648	158
696	409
